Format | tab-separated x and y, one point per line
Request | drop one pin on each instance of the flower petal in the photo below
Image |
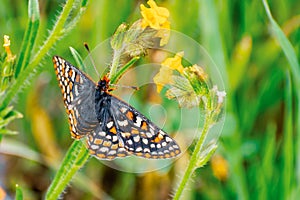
175	62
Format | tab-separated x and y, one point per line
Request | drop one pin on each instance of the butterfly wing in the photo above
139	135
105	143
78	93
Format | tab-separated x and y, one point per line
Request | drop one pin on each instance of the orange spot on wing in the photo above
134	131
121	154
90	138
71	86
139	154
91	151
106	143
77	79
129	115
144	126
98	141
113	130
167	155
100	155
70	73
147	155
158	138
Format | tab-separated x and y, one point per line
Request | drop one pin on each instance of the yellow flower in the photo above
220	167
164	76
175	62
10	57
156	18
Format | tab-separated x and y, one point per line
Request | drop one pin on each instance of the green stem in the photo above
53	37
75	158
19	193
115	64
194	158
123	69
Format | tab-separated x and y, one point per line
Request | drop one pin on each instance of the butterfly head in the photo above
103	84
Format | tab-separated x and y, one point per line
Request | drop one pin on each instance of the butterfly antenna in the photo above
125	86
90	57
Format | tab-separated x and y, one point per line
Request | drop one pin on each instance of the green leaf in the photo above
285	45
206	154
78	59
29	36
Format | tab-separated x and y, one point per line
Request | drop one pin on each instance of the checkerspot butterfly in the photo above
112	127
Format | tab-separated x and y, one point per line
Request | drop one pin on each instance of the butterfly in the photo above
112	127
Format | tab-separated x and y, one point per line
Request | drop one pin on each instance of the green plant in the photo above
14	76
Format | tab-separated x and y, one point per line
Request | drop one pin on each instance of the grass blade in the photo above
288	145
285	45
30	36
295	73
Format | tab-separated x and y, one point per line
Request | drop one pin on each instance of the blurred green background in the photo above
258	154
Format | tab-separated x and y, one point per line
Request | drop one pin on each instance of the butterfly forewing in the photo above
78	93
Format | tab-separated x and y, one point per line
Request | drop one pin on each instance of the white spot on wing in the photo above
103	149
130	142
138	149
145	141
110	124
136	138
102	133
138	121
112	152
148	134
123	110
94	147
115	138
123	123
168	139
146	150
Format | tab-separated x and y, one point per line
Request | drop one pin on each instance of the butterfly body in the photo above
113	128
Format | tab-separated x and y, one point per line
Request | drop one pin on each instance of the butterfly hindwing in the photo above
105	142
105	145
141	136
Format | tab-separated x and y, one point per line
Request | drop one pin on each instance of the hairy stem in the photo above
194	158
75	158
